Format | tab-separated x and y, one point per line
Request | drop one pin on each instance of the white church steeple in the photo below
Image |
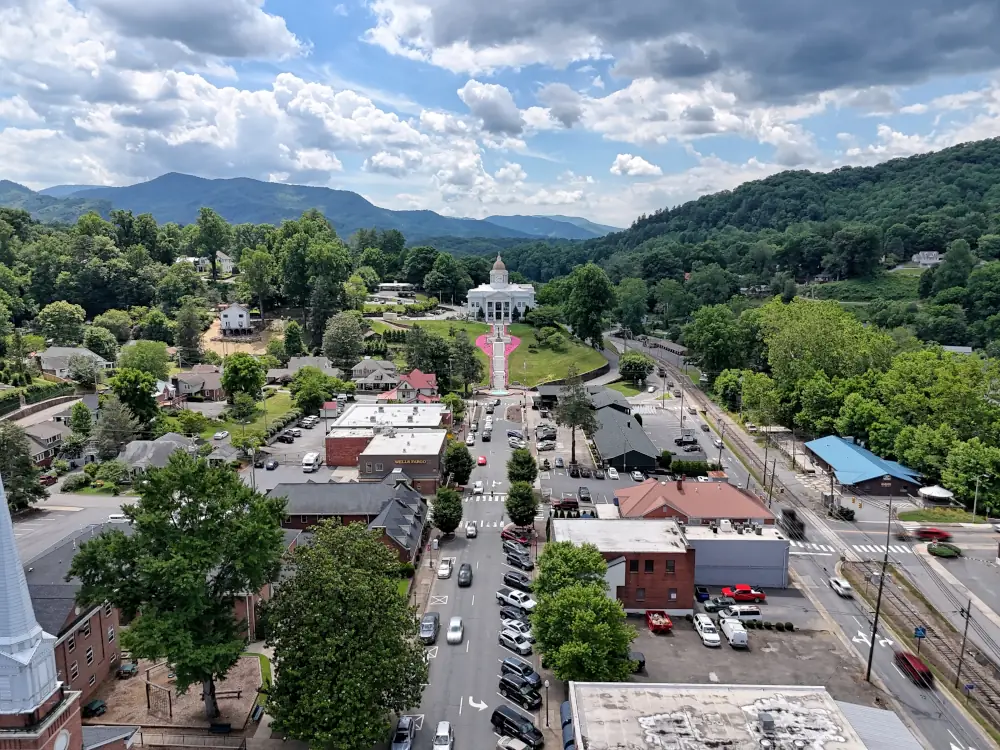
27	662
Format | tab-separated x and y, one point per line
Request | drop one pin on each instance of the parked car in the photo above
471	530
95	708
692	448
47	480
598	473
221	435
514	545
515	642
430	625
271	464
612	472
509	723
707	631
519	626
842	587
520	534
742	613
259	460
560	463
522	561
523	669
296	432
444	568
456	630
742	592
574	470
470	439
515	598
464	575
285	437
583	495
444	737
508	614
585	472
719	603
517	690
511	743
735	633
517	580
545	445
402	738
637	476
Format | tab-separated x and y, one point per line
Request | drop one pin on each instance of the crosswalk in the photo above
497	497
644	408
815	547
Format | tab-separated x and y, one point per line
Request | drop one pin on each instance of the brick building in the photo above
691	503
359	424
419	455
345	444
650	565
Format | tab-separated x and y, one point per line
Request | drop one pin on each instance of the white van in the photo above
741	613
311	462
735	633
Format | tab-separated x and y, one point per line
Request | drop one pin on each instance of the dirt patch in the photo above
232	345
126	699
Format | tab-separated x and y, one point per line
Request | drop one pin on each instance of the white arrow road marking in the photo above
861	638
432	652
473	703
885	641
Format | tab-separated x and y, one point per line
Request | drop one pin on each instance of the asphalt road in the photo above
463	678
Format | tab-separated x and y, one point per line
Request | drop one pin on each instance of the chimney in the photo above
680	484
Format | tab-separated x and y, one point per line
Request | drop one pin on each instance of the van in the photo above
509	723
311	462
911	665
741	613
735	633
117	518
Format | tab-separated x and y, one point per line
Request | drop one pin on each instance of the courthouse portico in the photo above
497	301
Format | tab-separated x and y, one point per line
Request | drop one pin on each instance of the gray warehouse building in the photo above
725	556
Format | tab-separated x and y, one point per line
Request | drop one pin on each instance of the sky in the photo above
606	110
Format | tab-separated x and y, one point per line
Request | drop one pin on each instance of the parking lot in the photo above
289	456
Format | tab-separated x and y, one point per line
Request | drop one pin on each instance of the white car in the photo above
706	629
515	642
637	476
511	743
296	432
470	439
518	626
444	568
471	530
996	527
842	587
612	472
651	389
477	488
221	435
456	630
444	736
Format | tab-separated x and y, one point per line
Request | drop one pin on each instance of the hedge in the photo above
40	391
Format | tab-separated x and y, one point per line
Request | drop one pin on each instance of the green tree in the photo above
146	356
84	371
355	292
199	536
591	297
258	275
81	421
214	236
971	463
343	340
428	352
192	422
955	267
116	427
156	326
419	262
101	341
338	626
188	334
563	564
635	366
311	388
17	471
454	402
62	323
521	466
710	336
370	276
673	302
575	410
135	389
243	374
114	472
583	634
447	512
631	310
466	366
447	279
711	284
293	340
244	407
326	300
521	504
118	322
458	462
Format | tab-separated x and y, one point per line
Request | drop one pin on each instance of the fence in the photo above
161	739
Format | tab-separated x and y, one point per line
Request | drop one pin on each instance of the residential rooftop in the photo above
621	535
612	716
696	500
392	415
429	443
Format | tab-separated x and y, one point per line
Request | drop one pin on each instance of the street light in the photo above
546	703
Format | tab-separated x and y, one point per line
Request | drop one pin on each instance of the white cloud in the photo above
597	83
494	106
511	173
627	165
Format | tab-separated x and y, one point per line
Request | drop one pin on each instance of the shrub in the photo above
789	627
406	570
60	466
75	482
767	625
780	626
91	470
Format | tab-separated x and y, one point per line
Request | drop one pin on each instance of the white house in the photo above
926	258
235	320
498	300
223	263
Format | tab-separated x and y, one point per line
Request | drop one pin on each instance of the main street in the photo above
463	678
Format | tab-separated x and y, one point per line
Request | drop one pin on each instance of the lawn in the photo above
403	587
380	326
891	286
265	676
626	389
280	403
940	515
544	365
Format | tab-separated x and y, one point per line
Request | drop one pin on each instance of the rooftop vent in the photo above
759	531
726	526
766	721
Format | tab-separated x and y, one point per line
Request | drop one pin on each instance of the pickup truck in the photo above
686	440
515	598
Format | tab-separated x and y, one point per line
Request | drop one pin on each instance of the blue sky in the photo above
472	107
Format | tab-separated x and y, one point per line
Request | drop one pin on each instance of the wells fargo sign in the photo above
411	460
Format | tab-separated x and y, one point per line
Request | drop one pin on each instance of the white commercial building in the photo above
401	416
496	302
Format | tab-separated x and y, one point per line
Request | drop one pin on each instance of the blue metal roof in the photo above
852	464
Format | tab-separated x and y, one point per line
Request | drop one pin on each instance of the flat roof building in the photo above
399	416
418	454
610	716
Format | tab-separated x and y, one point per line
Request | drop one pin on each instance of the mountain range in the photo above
175	197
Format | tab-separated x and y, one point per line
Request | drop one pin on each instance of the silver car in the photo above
515	642
456	630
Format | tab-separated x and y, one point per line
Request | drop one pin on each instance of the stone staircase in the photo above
498	375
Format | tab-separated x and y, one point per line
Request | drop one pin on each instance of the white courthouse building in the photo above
498	299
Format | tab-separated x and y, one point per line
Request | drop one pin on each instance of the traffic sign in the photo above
920	632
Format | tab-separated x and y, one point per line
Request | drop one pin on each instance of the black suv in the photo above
516	689
574	470
513	613
520	560
523	669
517	580
430	626
464	575
509	723
285	437
583	494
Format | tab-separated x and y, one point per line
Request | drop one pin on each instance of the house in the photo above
927	258
621	442
420	454
958	349
860	469
600	397
44	439
414	387
289	371
165	394
223	453
55	360
235	320
223	263
391	505
141	455
691	503
200	385
91	400
375	375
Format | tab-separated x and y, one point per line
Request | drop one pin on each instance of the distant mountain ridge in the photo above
61	191
598	229
547	227
46	207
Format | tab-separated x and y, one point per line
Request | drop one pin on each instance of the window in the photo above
90	655
111	634
649	566
672	595
378	467
85	630
107	609
74	671
670	566
368	468
633	566
93	680
640	595
71	644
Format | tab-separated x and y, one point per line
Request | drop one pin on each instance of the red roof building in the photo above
414	387
694	503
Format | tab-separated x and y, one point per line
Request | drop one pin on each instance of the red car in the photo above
46	480
519	535
930	534
741	592
482	461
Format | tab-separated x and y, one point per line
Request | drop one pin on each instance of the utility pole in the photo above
721	443
770	491
975	500
878	599
967	614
